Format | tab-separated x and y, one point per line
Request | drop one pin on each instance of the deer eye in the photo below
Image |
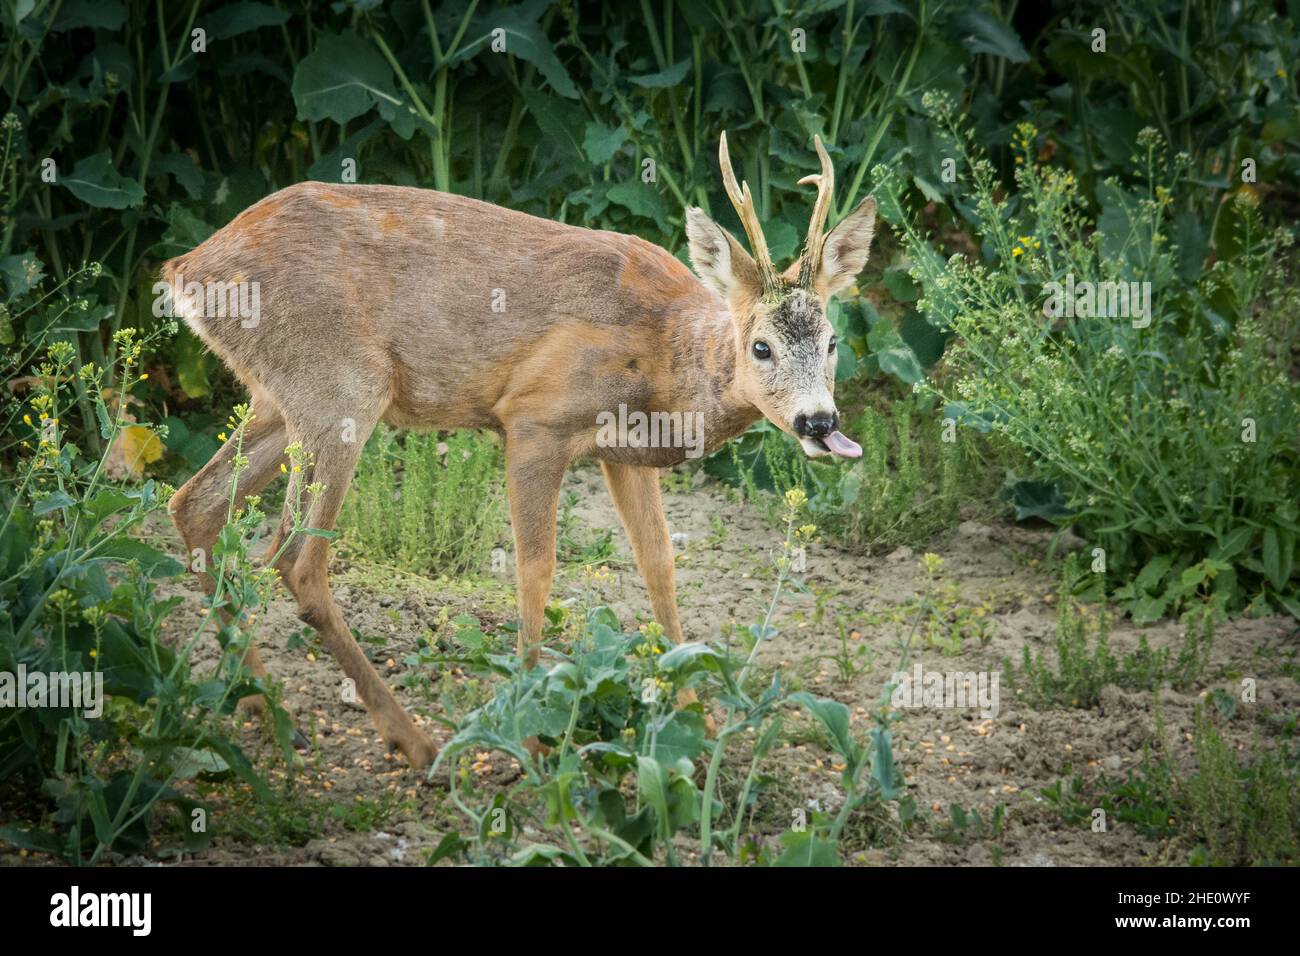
831	348
762	351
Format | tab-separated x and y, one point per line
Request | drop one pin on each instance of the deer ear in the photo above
845	249
719	260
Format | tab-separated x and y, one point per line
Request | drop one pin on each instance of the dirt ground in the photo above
362	806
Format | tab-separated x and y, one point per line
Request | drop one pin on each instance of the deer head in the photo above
785	346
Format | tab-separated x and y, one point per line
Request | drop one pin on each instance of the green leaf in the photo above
518	28
1034	499
807	849
236	18
153	563
107	501
690	657
671	76
1153	573
1232	543
835	718
602	142
95	182
1277	557
652	789
562	123
980	33
181	168
678	735
190	762
20	273
451	844
53	502
882	767
342	78
96	14
643	199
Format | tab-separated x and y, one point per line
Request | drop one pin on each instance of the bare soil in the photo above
360	805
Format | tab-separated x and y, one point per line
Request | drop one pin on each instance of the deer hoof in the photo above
418	750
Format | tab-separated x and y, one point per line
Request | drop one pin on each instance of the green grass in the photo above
426	504
1085	662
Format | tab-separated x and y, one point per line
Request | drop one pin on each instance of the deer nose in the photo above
817	425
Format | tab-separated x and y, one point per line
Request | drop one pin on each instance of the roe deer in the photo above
377	304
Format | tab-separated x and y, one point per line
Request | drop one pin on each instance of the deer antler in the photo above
744	204
812	250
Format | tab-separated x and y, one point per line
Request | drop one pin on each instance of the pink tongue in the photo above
842	445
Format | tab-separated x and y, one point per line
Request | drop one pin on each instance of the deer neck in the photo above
701	339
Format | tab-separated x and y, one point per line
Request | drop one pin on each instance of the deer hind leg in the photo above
304	564
199	508
635	491
534	473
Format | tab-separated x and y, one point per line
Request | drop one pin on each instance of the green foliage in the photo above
79	591
1239	806
610	735
937	615
426	504
908	485
1085	663
1169	430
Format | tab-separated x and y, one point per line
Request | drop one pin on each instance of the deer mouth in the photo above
836	443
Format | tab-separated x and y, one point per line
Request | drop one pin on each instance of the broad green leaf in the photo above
602	142
20	273
679	735
1154	572
53	502
689	657
671	76
807	849
641	198
236	18
181	168
1277	558
96	14
341	79
153	563
94	181
981	33
516	32
835	718
1232	543
652	789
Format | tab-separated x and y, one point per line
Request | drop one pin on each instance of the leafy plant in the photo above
1169	430
426	504
1085	663
79	588
607	739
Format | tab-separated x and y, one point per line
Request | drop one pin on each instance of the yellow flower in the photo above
143	376
221	436
283	469
1017	251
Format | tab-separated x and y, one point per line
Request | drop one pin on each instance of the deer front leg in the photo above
535	469
635	491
